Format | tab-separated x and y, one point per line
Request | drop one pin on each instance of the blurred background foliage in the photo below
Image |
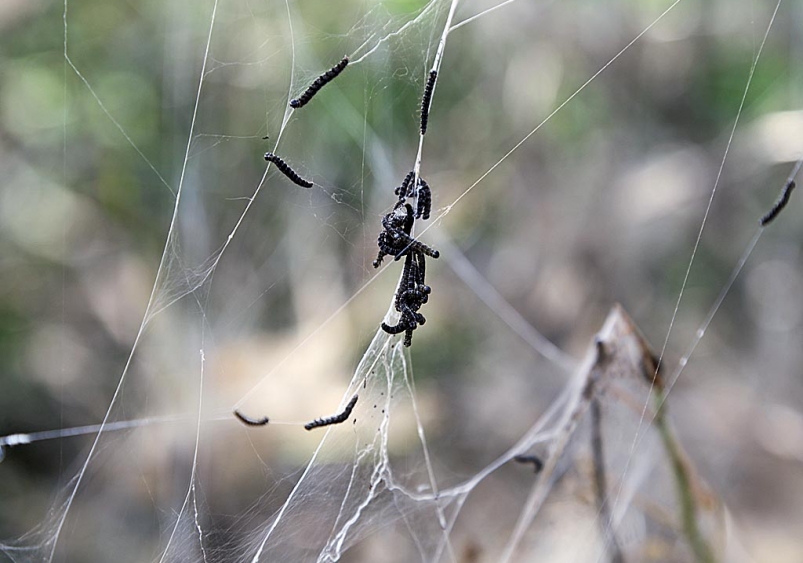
601	205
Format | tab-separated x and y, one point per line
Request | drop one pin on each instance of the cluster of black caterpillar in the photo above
410	295
285	169
424	201
396	240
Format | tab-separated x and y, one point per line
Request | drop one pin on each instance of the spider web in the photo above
264	299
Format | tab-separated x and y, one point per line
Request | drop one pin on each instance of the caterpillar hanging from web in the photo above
779	205
285	169
335	419
427	99
319	83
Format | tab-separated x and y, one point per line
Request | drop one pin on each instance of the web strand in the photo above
735	273
142	326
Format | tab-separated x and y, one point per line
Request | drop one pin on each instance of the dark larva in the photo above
779	205
398	329
285	169
424	206
425	101
336	419
402	190
319	83
538	465
247	420
416	245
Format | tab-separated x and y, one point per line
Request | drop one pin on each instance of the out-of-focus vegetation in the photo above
602	205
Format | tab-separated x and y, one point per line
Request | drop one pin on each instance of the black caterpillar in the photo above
247	420
425	101
538	465
412	293
285	169
319	83
424	206
403	190
336	419
779	205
